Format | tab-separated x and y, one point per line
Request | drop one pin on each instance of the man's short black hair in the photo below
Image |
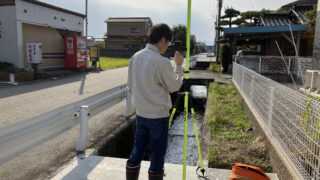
158	31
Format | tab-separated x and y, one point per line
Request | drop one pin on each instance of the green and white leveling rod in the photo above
186	100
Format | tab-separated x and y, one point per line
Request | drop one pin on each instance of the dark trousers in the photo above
155	132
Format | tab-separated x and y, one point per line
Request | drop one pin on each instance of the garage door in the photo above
52	45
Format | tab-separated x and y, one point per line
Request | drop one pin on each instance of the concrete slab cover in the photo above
97	167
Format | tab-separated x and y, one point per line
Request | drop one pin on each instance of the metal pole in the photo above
297	55
284	60
87	33
218	31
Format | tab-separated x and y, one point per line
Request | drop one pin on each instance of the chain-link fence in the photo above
290	118
276	64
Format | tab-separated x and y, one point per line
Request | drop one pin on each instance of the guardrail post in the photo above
81	146
128	103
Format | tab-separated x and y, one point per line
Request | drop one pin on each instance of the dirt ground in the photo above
248	150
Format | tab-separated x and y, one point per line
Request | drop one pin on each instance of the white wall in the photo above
8	41
39	15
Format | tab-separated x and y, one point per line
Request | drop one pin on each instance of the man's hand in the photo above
178	58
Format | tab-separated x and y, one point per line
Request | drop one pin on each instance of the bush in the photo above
12	69
226	56
8	67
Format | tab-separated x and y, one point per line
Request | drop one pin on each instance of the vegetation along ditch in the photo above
232	137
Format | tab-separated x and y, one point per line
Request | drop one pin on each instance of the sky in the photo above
171	12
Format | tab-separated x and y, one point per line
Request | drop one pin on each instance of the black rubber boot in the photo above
158	176
132	172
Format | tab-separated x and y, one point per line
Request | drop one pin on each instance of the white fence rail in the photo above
290	118
21	137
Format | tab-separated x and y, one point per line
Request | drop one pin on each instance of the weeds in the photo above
112	62
215	67
226	110
231	140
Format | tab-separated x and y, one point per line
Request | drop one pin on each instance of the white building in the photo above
31	21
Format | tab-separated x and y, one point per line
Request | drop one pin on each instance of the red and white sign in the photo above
70	45
34	53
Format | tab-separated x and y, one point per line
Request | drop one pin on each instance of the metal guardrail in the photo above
24	136
289	117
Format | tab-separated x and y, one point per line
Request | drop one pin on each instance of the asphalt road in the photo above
18	103
22	102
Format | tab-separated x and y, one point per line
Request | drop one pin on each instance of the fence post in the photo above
128	103
242	78
289	66
260	65
252	89
81	146
270	109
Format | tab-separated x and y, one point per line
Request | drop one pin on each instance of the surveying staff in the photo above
151	78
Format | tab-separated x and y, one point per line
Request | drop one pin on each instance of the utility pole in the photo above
87	32
218	31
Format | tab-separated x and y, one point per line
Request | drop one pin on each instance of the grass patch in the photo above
230	129
112	62
215	67
227	112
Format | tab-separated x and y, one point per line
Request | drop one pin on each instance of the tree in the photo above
229	14
312	16
179	33
250	18
101	46
308	35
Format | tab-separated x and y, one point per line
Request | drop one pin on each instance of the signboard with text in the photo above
34	53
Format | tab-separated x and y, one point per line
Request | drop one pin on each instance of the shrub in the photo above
11	69
226	56
8	67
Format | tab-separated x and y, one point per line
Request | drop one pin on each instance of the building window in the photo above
134	30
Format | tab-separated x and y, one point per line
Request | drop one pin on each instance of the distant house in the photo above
100	41
91	41
127	33
31	21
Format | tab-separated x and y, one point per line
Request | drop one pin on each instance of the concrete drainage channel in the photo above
119	143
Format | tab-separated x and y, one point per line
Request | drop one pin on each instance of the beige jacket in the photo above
151	78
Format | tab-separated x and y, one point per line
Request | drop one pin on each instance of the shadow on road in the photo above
7	91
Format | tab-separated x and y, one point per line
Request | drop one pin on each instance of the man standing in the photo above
151	78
